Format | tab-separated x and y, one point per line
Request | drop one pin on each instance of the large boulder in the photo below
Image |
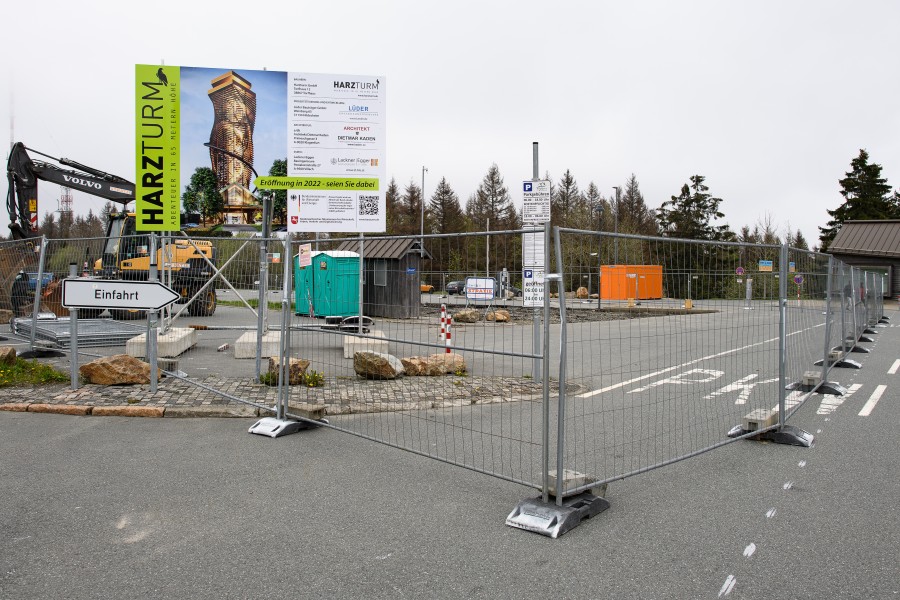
377	365
501	315
581	293
467	315
414	365
296	369
7	355
440	364
119	369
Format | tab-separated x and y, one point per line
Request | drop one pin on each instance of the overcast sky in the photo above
769	100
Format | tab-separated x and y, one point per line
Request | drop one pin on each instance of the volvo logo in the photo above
82	182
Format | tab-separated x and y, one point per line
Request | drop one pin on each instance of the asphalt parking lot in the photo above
172	508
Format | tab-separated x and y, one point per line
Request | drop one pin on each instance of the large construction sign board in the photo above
329	130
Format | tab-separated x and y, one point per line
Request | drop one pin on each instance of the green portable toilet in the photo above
331	282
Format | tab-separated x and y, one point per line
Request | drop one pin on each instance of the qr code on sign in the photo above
368	205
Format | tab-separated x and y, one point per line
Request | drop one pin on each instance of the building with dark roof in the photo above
871	245
392	269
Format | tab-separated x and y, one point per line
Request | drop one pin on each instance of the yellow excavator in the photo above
188	264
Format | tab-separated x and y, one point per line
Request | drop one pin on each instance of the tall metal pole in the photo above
422	219
599	253
487	255
782	335
616	253
536	372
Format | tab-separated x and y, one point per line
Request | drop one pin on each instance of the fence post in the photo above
36	307
545	372
782	333
561	400
263	308
153	318
73	324
828	316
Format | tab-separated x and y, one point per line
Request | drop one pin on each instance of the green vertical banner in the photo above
157	147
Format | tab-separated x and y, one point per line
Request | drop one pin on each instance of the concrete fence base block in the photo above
245	346
760	419
174	342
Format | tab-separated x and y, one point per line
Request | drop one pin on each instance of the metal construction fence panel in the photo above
468	396
660	379
807	311
639	352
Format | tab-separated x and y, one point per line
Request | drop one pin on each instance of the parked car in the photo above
426	288
456	287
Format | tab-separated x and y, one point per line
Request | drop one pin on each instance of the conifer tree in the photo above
867	195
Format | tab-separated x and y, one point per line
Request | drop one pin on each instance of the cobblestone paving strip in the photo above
342	396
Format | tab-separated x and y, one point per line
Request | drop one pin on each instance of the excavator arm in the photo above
23	174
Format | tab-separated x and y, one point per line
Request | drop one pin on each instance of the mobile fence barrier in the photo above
635	352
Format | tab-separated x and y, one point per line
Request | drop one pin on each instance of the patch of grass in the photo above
30	372
253	302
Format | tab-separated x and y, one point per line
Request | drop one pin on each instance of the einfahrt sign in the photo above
106	293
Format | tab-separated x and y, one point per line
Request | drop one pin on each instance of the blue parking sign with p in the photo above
527	186
529	274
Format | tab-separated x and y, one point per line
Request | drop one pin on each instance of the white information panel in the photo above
535	202
533	269
533	249
336	150
533	286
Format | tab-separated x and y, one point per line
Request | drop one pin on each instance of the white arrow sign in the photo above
108	293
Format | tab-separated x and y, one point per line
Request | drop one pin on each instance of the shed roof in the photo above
395	248
869	238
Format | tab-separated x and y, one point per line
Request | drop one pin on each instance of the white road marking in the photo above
793	399
830	403
687	364
872	401
743	385
788	485
749	550
801	464
727	586
894	367
706	375
771	513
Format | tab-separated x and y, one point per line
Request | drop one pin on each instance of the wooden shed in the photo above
392	268
872	246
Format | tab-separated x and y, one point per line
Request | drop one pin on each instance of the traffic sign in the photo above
114	293
535	202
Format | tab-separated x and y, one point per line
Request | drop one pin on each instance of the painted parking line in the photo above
622	384
872	401
894	367
830	403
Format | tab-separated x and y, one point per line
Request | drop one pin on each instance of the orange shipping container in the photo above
641	282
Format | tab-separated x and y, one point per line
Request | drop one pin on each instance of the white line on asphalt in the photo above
727	586
771	513
788	485
830	403
894	367
801	464
872	401
687	364
749	550
793	399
